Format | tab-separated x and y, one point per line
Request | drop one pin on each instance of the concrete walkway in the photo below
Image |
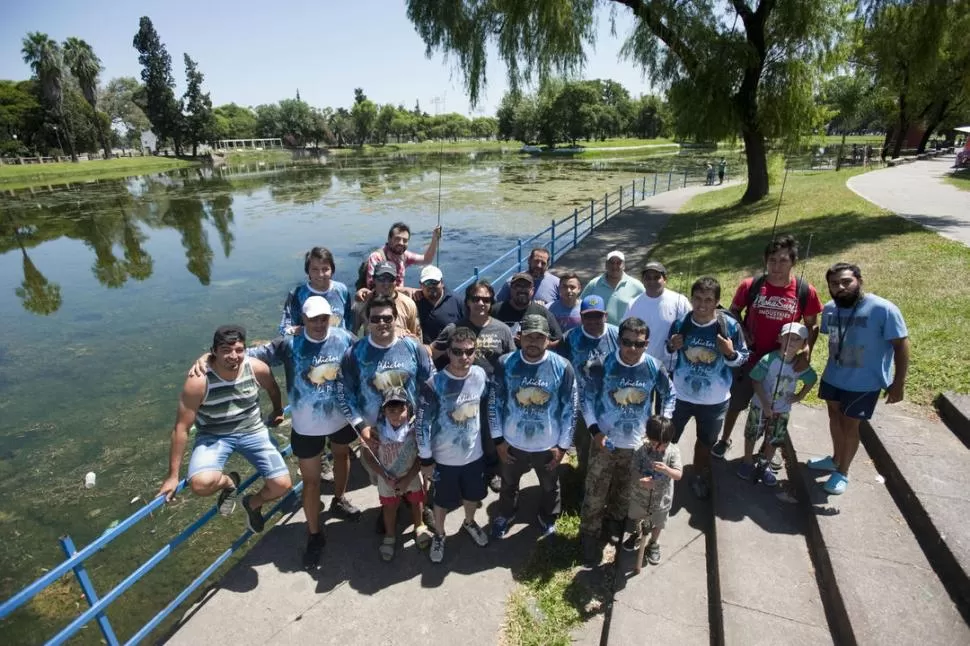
917	192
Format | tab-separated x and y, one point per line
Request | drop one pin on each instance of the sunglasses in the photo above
431	283
386	318
458	352
627	343
480	299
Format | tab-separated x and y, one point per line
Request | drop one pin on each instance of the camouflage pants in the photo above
609	477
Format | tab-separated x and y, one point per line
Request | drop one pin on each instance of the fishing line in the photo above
441	155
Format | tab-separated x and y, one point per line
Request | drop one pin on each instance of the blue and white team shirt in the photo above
702	374
533	405
338	296
619	397
369	370
312	370
449	417
580	349
860	343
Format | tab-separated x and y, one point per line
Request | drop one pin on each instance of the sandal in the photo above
386	549
422	536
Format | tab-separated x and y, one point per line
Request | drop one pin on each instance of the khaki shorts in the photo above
656	519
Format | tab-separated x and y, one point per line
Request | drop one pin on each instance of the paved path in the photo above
917	192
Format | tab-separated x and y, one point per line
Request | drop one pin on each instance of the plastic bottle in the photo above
90	479
609	445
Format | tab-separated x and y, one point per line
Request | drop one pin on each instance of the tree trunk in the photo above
838	160
932	123
70	138
757	159
902	126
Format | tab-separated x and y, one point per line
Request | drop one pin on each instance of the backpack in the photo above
722	315
801	289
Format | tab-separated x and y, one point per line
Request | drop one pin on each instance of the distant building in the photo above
149	141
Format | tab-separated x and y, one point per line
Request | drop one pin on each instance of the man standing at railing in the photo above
617	288
545	285
395	251
224	405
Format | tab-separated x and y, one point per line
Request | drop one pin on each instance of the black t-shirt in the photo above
435	318
494	340
512	317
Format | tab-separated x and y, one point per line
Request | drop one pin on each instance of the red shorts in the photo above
413	497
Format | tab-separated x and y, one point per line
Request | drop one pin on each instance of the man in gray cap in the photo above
520	304
532	414
406	319
659	308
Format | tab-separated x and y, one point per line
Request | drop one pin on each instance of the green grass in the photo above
19	176
918	270
960	179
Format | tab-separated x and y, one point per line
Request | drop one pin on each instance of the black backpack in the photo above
801	288
722	315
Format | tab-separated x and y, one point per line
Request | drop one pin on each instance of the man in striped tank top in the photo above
224	405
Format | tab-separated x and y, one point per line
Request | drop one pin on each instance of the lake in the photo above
110	289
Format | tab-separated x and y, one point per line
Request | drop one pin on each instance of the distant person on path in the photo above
775	379
660	308
656	466
224	406
767	303
546	285
493	339
867	336
533	413
710	174
566	307
450	443
617	288
721	167
708	343
593	341
319	267
395	251
398	453
406	317
520	304
617	398
437	306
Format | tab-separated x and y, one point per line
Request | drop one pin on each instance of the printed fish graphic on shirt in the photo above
465	412
629	396
384	381
321	374
531	396
697	354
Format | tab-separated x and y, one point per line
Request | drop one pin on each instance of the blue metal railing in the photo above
559	237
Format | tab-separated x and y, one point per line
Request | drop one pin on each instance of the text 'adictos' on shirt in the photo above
449	417
702	374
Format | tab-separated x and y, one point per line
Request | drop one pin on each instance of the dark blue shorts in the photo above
454	484
708	418
854	404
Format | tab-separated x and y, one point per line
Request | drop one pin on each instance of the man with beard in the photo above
660	308
406	317
438	307
520	304
493	339
395	251
532	414
617	288
867	335
546	284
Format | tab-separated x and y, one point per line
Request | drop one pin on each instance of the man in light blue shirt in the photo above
617	288
546	285
867	335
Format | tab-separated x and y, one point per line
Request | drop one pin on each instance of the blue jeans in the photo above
709	418
211	452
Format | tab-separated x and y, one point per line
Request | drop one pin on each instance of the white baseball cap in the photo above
795	328
316	306
430	273
616	254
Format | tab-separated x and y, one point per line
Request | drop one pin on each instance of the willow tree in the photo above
730	66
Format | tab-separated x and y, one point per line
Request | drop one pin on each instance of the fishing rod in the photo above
438	101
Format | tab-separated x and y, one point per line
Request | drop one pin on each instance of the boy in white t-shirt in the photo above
775	380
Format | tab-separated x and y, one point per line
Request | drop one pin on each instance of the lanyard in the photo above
842	332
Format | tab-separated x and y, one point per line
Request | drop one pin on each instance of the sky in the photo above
254	52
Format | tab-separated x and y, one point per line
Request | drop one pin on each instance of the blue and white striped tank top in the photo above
230	406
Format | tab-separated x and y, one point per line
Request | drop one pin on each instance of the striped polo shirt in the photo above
230	406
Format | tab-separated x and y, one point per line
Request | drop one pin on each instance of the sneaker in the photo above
343	508
422	537
227	497
428	517
745	470
769	478
314	547
836	484
254	517
700	488
759	470
437	553
500	527
776	461
612	530
386	550
592	552
495	483
476	532
720	448
326	467
545	529
632	542
653	553
822	464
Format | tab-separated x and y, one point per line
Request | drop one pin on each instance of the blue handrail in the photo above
561	236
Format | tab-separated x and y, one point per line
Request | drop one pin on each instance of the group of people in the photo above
721	167
448	397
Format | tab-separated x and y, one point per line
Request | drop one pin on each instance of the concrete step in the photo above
878	582
954	410
768	583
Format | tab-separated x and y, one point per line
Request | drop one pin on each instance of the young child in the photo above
397	451
656	465
774	379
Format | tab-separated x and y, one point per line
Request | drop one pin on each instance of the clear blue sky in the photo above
254	52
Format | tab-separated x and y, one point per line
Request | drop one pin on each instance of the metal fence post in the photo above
575	227
519	265
621	197
606	206
670	178
685	178
89	592
643	187
552	243
633	192
476	274
591	203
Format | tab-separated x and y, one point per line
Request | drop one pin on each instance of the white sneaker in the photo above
479	536
437	553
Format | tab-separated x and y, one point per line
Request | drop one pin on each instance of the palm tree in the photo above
43	54
86	67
